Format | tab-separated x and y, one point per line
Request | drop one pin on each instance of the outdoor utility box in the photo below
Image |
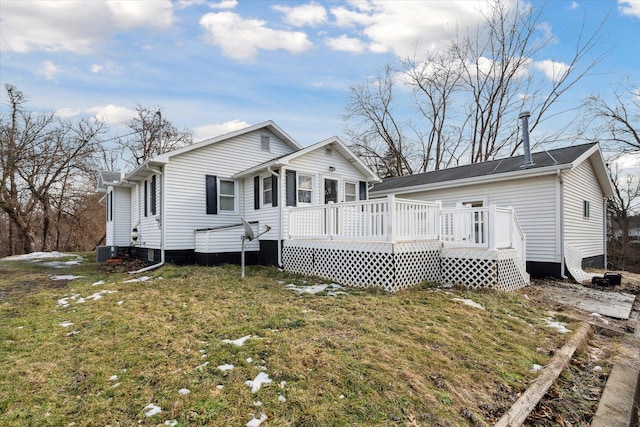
103	253
614	279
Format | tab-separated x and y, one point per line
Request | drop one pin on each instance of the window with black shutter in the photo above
146	198
274	188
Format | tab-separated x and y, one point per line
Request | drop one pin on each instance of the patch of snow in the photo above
120	302
282	384
558	326
225	368
281	398
113	378
469	302
36	255
81	301
171	423
184	391
257	403
536	367
64	302
98	283
314	289
255	422
600	318
116	385
219	386
65	277
72	333
152	410
65	324
139	279
200	367
257	382
597	368
239	342
249	360
61	264
342	396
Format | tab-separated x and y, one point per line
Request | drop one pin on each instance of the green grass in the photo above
369	358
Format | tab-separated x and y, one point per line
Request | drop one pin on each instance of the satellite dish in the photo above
248	230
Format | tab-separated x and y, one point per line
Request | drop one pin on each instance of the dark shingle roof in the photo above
494	167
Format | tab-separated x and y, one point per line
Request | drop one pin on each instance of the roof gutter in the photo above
561	184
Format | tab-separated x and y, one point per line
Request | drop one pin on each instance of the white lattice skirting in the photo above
394	266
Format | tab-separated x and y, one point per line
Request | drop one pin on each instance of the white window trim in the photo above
356	193
263	190
483	199
235	196
298	189
265	147
586	209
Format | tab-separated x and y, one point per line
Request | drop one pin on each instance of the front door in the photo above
330	190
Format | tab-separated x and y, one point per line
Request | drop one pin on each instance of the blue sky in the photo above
215	66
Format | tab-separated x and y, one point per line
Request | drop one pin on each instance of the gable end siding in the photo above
586	234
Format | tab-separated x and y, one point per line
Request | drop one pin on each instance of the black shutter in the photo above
153	195
256	192
274	189
146	196
292	186
362	189
212	194
110	206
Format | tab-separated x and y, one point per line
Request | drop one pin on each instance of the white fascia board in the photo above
600	169
262	167
527	173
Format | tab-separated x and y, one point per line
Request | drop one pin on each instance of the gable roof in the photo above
545	162
145	168
335	142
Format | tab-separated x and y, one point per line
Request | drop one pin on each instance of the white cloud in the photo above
224	5
397	26
215	129
346	44
75	25
112	114
552	69
108	67
67	112
629	7
573	5
96	68
241	38
49	70
306	14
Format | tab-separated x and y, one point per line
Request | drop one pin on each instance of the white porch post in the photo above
391	209
329	220
289	223
491	227
511	224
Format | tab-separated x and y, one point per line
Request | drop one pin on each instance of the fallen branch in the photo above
530	398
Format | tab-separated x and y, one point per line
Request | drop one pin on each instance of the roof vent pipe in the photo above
525	139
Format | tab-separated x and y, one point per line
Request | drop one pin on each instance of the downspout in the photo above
162	226
605	213
561	182
279	239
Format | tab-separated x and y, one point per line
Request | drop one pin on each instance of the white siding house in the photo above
559	200
187	204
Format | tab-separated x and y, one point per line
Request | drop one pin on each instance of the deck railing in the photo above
384	220
392	219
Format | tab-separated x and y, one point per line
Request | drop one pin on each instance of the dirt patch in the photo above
122	265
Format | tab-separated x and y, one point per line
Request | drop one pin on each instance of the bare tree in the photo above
43	159
617	121
376	134
152	135
622	207
470	92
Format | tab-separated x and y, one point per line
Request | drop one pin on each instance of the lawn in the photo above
201	346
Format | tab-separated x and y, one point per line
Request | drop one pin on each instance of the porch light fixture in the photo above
332	169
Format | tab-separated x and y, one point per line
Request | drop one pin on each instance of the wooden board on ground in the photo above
611	304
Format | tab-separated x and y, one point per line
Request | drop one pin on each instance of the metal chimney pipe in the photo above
525	139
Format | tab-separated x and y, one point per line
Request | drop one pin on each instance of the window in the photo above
227	196
265	143
305	189
350	192
267	191
585	208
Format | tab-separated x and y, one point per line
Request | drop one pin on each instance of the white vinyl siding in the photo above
118	231
584	233
534	200
149	235
185	184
